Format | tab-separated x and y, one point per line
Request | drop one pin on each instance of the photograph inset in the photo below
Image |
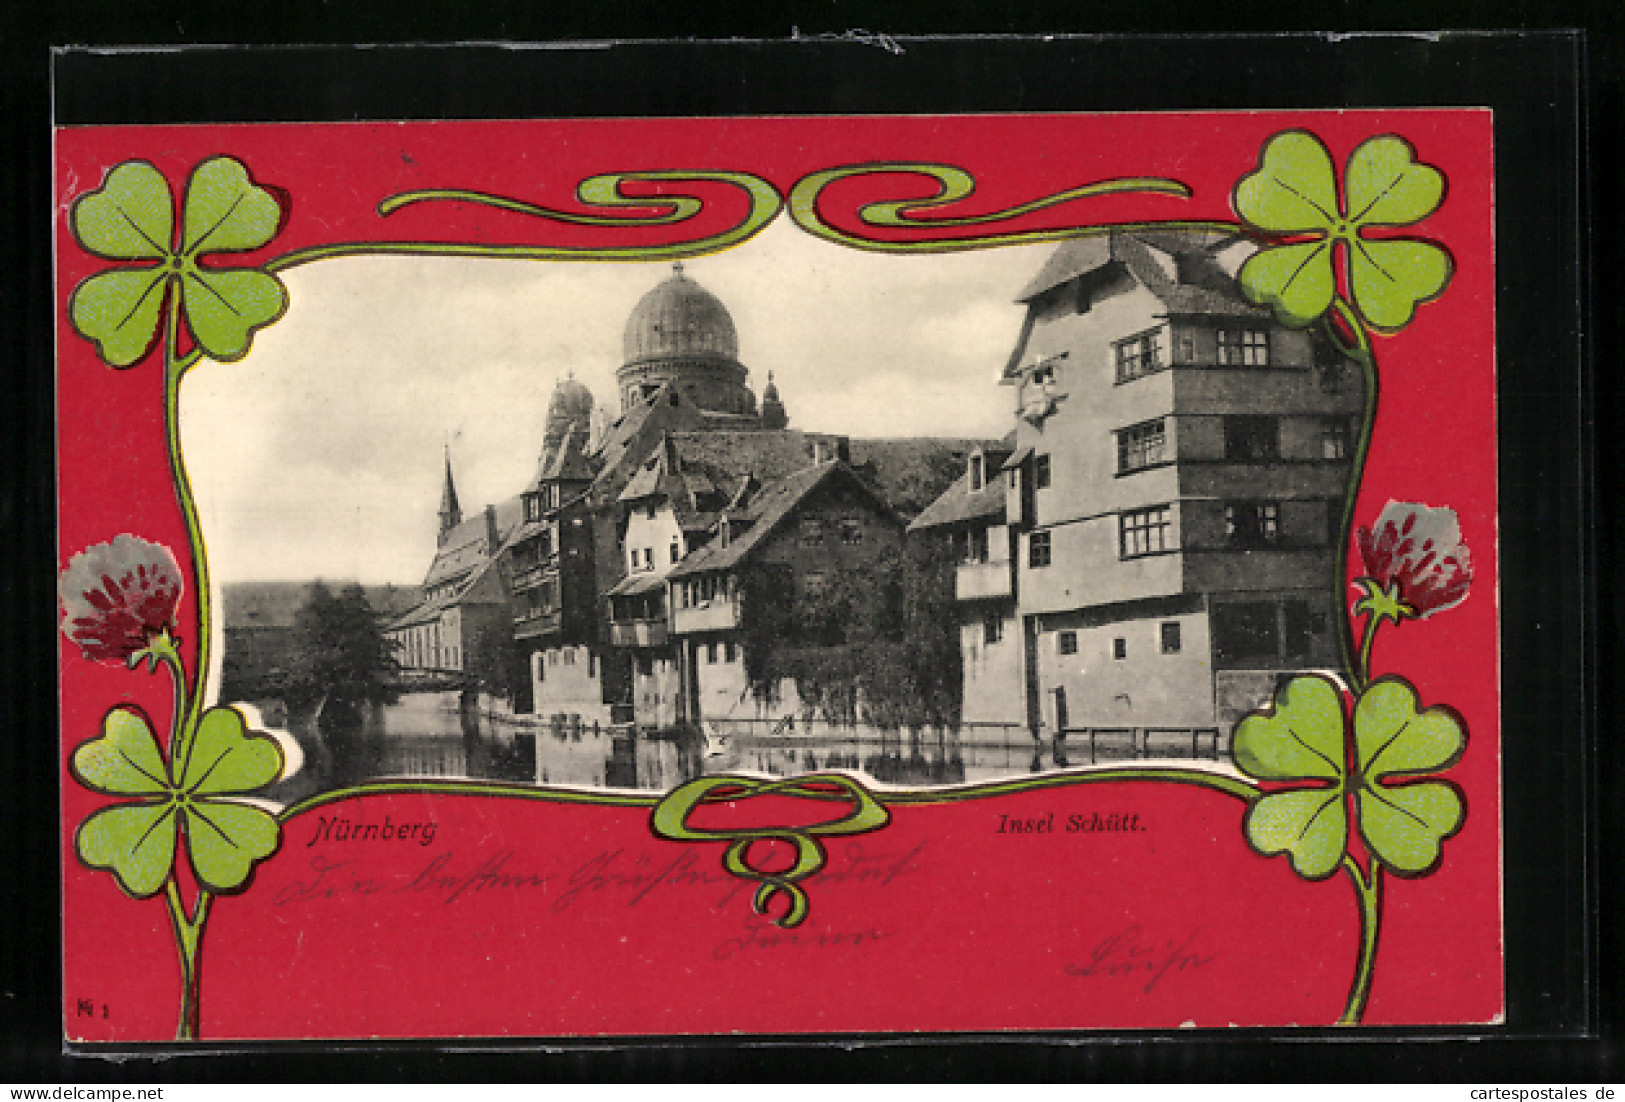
968	527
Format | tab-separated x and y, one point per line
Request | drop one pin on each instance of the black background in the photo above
1558	118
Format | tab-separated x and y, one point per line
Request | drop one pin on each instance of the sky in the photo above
321	453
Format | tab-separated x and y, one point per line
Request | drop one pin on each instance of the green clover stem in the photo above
188	929
1368	893
175	367
1354	665
189	940
1367	637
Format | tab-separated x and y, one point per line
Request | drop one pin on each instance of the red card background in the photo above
978	931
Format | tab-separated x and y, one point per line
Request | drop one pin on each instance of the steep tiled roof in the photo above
724	456
1198	285
466	547
959	502
1069	261
665	408
908	473
764	513
569	460
431	608
641	582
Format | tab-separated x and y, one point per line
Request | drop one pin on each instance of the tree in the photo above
880	644
340	655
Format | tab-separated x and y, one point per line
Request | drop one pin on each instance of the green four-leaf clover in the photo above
137	841
132	217
1304	737
1293	193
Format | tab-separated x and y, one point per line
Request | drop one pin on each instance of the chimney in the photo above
843	449
491	529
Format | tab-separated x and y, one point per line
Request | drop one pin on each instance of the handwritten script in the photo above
617	876
1133	952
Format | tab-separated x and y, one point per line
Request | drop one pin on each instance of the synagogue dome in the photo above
679	320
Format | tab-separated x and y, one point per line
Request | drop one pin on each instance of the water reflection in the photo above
448	735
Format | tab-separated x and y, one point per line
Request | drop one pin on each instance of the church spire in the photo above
451	515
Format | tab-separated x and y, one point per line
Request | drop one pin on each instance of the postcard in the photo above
629	577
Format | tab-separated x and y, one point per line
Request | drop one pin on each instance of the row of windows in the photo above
849	529
1142	354
646	556
642	606
547	497
979	473
423	651
728	650
1247	524
1262	630
1168	635
1247	438
566	657
1257	630
544	598
701	590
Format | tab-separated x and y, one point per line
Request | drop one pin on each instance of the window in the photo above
812	532
533	507
1305	627
1142	446
1252	438
972	546
851	531
1334	438
569	658
1187	348
1040	472
1334	523
646	665
978	470
1139	355
710	654
1244	348
813	584
728	652
1170	637
1252	523
1038	550
1245	631
1067	642
676	550
992	628
1119	648
1145	532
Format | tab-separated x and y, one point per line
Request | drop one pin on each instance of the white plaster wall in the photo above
567	680
993	677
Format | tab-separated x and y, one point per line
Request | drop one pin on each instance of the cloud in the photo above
320	454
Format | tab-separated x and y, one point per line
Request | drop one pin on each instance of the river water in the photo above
430	735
